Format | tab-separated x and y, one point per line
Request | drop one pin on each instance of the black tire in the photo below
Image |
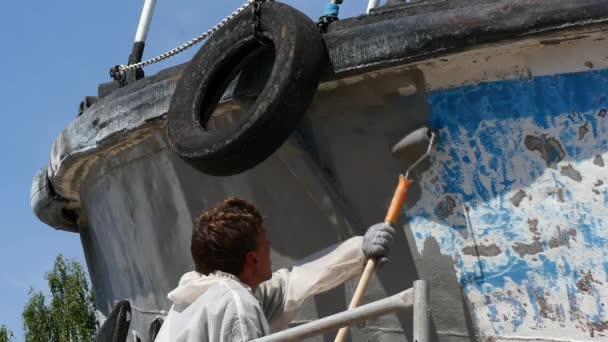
299	55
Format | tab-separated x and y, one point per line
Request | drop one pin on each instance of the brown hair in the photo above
223	235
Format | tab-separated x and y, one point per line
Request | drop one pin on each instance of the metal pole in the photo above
140	40
393	303
372	4
421	312
144	21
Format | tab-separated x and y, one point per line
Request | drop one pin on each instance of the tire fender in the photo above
299	56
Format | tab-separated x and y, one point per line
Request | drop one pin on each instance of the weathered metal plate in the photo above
517	195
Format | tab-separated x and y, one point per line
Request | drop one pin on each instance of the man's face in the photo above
263	253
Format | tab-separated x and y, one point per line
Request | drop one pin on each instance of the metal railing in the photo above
416	297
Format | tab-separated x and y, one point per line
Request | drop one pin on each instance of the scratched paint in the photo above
518	197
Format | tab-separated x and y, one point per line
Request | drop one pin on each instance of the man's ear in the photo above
251	258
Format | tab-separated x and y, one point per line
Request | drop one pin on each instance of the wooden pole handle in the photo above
358	296
391	218
398	199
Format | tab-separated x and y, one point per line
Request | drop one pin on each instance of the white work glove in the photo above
378	241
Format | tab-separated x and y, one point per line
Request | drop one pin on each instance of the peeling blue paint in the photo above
483	164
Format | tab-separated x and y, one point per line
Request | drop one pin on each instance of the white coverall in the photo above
219	308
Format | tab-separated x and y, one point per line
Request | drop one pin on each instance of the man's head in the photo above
230	238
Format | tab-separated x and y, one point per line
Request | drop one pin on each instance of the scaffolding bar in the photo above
421	312
391	304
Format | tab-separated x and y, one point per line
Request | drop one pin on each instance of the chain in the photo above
118	72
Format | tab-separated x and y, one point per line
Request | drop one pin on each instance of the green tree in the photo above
5	334
70	314
37	319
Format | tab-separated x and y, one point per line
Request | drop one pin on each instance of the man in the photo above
233	295
330	14
332	9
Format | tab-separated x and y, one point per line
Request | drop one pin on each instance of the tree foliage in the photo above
5	334
70	314
37	319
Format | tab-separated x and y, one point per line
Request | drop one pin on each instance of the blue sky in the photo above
53	54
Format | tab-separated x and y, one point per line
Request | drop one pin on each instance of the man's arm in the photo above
282	295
